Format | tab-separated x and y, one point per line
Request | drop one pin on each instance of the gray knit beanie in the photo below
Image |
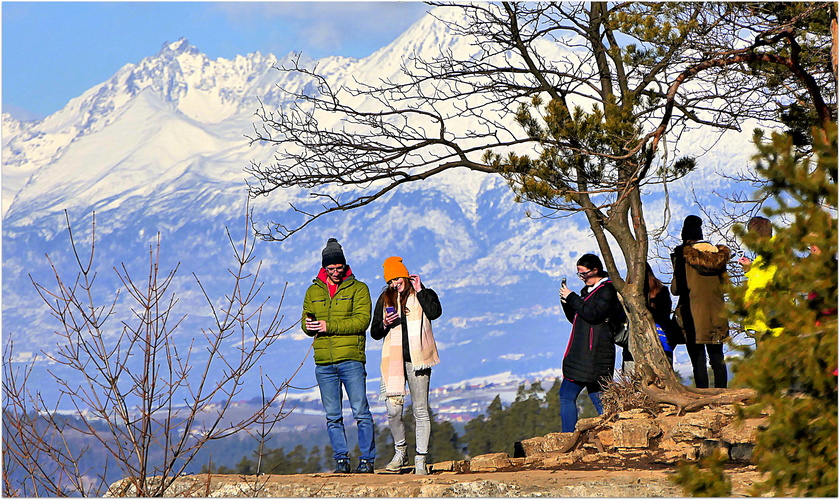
332	254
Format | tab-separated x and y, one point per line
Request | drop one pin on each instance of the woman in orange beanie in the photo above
402	316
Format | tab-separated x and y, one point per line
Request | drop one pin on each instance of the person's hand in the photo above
415	281
564	291
744	261
316	326
391	319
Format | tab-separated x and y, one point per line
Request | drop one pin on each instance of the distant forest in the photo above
534	412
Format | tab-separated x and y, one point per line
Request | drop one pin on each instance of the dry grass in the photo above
623	393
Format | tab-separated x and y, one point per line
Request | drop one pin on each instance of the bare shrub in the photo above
148	404
624	393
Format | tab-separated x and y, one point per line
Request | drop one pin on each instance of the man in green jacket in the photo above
336	311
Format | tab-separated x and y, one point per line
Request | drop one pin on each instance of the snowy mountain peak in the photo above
179	79
176	48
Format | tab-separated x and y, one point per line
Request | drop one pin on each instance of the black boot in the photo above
342	465
365	467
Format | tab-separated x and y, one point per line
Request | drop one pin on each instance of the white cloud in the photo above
299	335
502	319
442	346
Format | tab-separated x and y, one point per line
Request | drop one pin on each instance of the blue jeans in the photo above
351	375
569	392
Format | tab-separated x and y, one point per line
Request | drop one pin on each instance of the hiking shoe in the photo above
399	461
342	466
420	465
365	467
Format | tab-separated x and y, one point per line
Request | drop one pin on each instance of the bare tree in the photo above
588	131
147	402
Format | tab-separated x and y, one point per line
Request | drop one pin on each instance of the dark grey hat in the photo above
691	229
332	254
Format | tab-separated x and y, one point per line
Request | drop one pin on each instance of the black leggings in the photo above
697	353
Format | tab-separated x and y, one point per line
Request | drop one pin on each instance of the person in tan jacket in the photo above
699	280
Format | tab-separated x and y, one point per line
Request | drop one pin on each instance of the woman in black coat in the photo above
590	356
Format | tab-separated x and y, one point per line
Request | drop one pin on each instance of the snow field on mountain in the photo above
161	147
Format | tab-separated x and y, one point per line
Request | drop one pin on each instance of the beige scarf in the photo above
421	345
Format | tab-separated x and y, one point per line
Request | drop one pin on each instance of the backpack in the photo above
618	326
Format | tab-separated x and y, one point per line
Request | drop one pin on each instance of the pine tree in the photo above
313	462
275	462
794	370
384	446
532	413
445	443
297	459
245	467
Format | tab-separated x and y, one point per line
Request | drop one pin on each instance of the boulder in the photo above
740	432
634	433
588	423
550	443
456	466
607	438
673	452
704	424
741	452
667	423
490	462
728	411
556	461
634	413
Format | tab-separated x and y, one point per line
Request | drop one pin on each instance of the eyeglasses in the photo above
333	270
584	275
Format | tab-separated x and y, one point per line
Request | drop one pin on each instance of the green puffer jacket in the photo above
347	315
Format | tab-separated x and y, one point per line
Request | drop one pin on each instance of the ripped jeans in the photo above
418	387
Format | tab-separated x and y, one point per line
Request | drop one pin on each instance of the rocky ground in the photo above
590	481
632	454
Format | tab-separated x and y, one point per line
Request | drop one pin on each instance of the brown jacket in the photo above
699	279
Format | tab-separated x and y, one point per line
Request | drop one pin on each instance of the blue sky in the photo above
54	51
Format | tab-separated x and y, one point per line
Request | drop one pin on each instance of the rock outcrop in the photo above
630	454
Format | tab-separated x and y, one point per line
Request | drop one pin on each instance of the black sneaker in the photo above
365	467
342	466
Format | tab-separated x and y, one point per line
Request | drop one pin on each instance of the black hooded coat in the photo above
590	355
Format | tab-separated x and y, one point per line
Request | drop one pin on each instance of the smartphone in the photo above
390	310
563	282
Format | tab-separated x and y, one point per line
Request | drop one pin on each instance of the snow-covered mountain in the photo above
161	148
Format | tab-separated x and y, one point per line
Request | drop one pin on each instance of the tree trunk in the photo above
659	381
644	342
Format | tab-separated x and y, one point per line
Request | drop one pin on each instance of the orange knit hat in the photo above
394	268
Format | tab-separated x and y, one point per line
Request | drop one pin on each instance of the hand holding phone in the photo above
564	289
311	322
391	316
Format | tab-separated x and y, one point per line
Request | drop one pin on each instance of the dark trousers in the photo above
697	353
